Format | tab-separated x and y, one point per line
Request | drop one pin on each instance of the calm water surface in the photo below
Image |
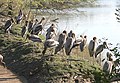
94	21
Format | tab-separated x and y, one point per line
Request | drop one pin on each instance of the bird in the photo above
92	46
70	33
61	40
51	28
30	26
117	18
55	20
83	43
24	29
100	48
104	56
51	35
50	43
69	44
38	27
33	26
108	66
117	14
118	10
19	17
34	38
77	41
2	62
8	25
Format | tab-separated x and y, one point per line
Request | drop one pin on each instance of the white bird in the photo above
77	41
92	46
108	65
61	40
1	61
50	43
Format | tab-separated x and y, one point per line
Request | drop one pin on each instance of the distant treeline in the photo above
11	7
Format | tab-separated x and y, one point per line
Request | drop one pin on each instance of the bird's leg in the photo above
4	65
43	52
77	52
69	60
63	51
52	51
93	60
82	55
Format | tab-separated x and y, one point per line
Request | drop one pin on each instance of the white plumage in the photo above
1	61
50	43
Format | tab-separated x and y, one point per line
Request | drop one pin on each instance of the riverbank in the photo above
25	59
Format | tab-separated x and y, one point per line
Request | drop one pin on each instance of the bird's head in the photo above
12	20
94	38
65	32
105	45
43	18
26	23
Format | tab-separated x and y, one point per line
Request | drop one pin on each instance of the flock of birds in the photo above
66	41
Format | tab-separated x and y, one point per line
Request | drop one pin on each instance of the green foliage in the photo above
57	4
12	7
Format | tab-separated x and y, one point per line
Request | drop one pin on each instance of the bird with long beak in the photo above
50	43
100	48
34	38
8	25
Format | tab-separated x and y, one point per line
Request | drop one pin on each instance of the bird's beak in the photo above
106	46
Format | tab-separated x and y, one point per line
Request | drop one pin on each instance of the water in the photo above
97	21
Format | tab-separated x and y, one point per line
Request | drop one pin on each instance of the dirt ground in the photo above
6	76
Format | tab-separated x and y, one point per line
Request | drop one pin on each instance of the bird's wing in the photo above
23	31
98	50
61	39
91	45
105	66
8	24
37	28
35	38
68	42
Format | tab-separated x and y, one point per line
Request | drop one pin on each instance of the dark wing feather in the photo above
91	47
7	24
98	50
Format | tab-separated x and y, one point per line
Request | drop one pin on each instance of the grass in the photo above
25	58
